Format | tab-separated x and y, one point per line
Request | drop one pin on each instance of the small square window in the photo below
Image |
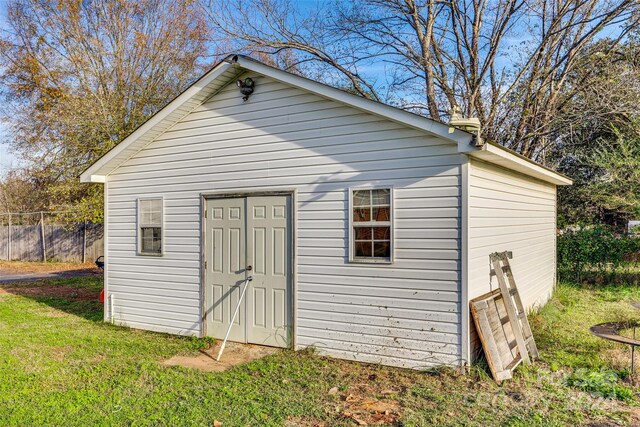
371	225
150	226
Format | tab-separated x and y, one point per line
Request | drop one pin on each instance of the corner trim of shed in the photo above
492	152
145	133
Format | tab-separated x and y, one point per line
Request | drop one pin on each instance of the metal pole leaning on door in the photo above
233	318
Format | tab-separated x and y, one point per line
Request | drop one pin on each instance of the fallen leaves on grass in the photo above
360	404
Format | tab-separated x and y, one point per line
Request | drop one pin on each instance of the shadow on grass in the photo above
629	277
12	277
79	296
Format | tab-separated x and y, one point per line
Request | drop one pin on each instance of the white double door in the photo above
249	236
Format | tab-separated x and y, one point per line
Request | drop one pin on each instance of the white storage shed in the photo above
366	228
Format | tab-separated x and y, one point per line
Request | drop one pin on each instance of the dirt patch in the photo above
368	404
632	257
376	395
66	292
58	353
24	267
97	358
234	354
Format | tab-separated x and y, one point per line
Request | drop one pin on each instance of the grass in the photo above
626	273
561	327
61	365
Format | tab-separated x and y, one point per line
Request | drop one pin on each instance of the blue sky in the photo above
6	157
8	160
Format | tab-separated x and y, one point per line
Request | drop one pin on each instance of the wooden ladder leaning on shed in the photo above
513	303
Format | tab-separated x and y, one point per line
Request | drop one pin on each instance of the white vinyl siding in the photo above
511	212
283	138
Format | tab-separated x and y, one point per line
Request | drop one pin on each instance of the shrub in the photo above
203	343
600	383
595	248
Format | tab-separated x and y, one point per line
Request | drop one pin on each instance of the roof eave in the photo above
501	156
98	171
442	130
93	178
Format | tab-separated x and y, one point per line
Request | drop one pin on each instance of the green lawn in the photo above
60	365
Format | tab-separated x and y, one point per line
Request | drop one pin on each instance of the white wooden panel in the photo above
248	180
270	306
352	326
155	278
331	135
422	284
376	300
514	182
280	153
286	139
339	243
326	121
152	311
172	295
420	317
412	361
321	190
358	273
432	354
395	293
511	212
390	324
295	168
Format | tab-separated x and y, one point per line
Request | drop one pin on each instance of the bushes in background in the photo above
595	252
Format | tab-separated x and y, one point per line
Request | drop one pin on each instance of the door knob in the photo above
249	268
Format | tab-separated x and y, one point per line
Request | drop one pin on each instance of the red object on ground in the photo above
102	296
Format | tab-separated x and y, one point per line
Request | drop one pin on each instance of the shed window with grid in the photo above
150	226
371	225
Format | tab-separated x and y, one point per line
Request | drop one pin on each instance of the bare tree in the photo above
20	192
310	42
544	85
79	76
600	146
506	61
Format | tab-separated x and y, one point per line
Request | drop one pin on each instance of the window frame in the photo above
139	251
351	243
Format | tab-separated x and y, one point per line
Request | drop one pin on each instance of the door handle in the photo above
249	268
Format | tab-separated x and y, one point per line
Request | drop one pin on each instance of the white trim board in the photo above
501	156
131	144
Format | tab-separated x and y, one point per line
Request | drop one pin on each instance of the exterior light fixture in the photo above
246	87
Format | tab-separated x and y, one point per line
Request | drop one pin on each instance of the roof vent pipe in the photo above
471	125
